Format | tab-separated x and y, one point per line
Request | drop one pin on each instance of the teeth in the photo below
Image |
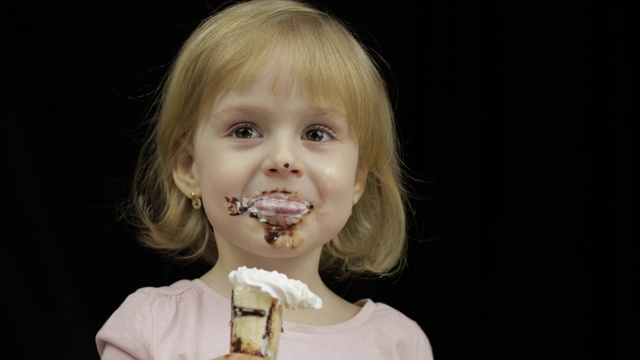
275	207
271	210
280	211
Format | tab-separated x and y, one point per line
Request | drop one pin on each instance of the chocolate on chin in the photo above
279	211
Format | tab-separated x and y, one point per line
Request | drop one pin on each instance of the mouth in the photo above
276	209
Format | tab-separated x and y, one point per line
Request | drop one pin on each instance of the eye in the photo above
318	133
244	131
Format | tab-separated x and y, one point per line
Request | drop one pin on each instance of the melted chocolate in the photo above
267	331
236	343
242	311
271	236
271	232
234	205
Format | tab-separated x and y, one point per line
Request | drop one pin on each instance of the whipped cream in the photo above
293	294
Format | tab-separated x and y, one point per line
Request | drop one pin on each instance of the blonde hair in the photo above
230	49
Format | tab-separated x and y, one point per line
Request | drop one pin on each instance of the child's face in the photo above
278	175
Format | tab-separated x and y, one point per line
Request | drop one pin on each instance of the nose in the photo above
282	159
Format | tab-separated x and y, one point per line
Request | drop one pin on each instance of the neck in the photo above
303	267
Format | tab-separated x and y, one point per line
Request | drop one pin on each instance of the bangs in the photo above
306	59
305	48
308	51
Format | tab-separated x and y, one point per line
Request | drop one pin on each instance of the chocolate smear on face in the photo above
235	206
267	210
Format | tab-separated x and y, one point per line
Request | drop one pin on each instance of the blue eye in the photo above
319	133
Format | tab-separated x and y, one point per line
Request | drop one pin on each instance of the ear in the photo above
360	183
185	176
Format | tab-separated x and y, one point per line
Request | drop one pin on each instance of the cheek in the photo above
337	189
332	217
216	182
216	206
339	178
327	179
217	171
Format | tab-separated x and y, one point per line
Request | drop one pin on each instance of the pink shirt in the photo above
189	320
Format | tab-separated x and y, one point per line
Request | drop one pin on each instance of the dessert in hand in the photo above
257	300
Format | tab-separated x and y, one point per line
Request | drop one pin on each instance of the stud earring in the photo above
196	202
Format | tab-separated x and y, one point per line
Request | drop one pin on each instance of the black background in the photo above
516	116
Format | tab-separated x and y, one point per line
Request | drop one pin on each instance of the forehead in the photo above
284	80
329	71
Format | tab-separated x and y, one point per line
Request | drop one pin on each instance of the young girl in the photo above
270	100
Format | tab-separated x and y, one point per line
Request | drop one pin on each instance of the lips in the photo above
280	207
279	212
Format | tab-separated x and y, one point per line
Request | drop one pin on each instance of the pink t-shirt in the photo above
189	320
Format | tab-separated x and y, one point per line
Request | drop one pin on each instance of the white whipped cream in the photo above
293	294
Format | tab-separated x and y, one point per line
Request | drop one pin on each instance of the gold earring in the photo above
195	201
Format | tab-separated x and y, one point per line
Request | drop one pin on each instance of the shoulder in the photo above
377	331
393	325
160	300
149	311
382	313
178	290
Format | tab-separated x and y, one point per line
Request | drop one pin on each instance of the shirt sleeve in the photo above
411	342
127	333
423	348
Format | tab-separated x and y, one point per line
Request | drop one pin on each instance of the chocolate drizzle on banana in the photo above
253	330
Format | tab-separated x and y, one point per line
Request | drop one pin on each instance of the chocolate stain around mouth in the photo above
286	233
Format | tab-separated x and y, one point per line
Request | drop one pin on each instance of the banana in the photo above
256	322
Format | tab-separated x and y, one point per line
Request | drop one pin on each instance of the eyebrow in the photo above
249	109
